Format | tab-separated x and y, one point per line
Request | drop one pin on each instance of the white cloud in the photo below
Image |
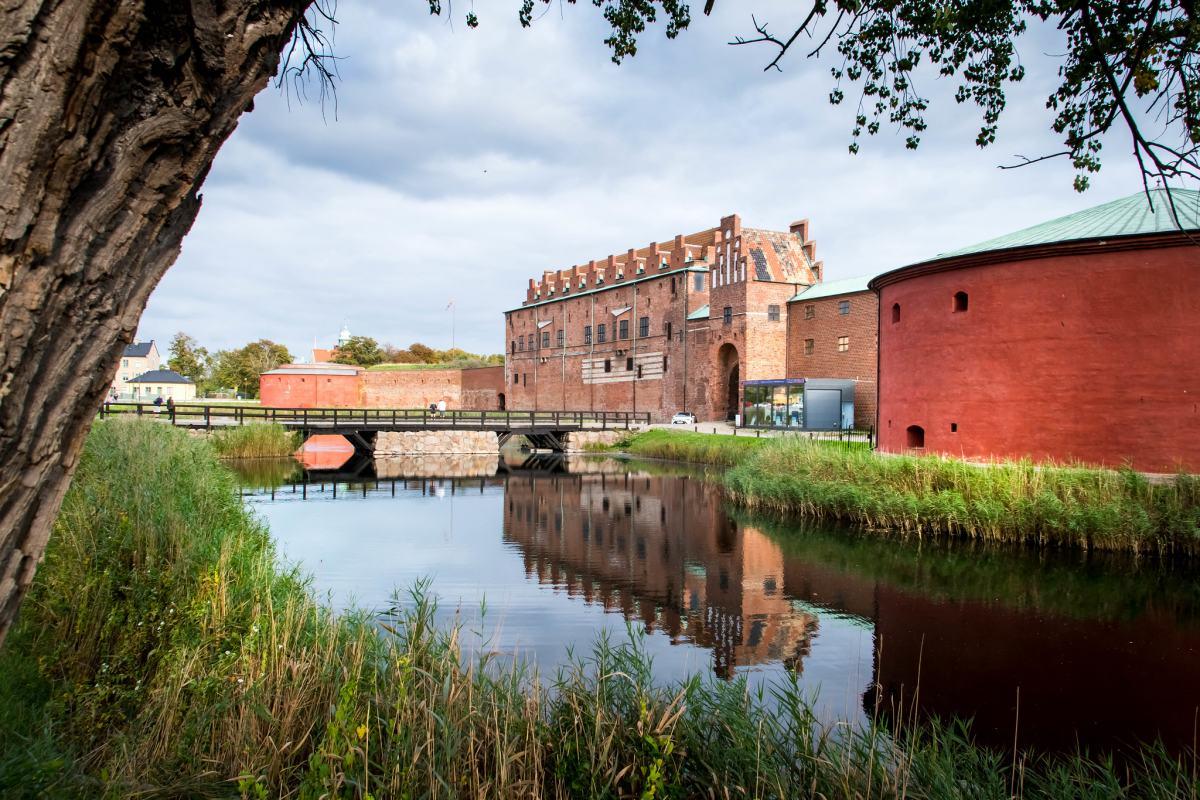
463	162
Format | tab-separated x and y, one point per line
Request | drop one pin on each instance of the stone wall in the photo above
468	465
579	441
435	442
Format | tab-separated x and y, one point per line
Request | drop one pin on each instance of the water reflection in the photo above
1098	650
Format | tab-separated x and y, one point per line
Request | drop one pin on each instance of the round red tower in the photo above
1077	340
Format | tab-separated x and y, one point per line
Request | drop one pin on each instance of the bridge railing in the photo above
207	416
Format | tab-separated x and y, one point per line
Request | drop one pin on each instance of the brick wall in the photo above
858	363
309	390
471	389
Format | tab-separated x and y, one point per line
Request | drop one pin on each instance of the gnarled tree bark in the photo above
111	112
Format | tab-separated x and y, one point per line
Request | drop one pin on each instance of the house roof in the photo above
699	313
138	349
160	376
609	286
1129	216
833	288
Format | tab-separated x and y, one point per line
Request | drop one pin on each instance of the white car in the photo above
683	418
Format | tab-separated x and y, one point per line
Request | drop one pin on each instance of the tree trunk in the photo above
111	112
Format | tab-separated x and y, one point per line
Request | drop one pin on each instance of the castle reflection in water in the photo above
662	551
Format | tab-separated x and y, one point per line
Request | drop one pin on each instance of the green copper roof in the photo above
833	288
1129	216
699	313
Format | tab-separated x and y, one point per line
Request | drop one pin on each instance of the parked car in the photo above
684	418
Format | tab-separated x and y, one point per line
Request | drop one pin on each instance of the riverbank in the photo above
162	652
265	440
1116	510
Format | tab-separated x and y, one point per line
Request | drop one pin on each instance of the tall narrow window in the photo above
809	346
667	330
843	344
727	315
524	378
608	365
545	338
587	334
810	311
521	342
895	313
773	313
514	346
639	370
960	302
623	328
516	379
643	327
698	282
664	363
629	364
601	333
561	338
672	284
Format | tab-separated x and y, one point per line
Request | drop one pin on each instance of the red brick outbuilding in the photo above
1077	340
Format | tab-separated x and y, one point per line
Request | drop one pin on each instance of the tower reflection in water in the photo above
663	552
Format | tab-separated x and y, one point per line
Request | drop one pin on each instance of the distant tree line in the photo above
236	371
364	351
233	372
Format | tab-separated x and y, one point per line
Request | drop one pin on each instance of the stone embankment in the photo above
435	442
579	441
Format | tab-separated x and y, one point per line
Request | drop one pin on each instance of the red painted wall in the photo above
1092	358
309	391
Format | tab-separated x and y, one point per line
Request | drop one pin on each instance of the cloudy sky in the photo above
462	162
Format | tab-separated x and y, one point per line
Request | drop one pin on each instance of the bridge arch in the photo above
727	402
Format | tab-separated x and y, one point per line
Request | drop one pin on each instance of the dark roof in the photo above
160	376
139	349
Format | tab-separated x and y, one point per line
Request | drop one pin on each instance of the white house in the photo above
138	358
162	383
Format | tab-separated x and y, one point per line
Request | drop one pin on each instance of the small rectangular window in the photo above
843	344
545	338
643	327
587	334
664	363
561	336
773	313
623	328
601	333
810	311
521	343
516	377
514	346
727	315
844	307
639	370
608	365
698	282
524	378
809	345
667	330
629	364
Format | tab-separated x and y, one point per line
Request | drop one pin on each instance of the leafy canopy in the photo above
361	350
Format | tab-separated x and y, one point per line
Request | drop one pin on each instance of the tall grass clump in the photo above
266	440
1012	502
700	448
163	653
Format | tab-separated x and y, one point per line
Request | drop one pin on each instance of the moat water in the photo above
536	557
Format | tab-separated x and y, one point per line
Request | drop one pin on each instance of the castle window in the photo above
521	342
608	365
895	313
623	328
914	436
727	315
698	282
954	427
664	363
587	334
667	330
545	338
639	370
773	313
810	311
561	336
643	327
809	345
844	307
516	378
514	346
960	302
843	344
601	333
524	378
629	364
672	284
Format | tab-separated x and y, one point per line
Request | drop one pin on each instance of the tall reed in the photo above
163	653
265	440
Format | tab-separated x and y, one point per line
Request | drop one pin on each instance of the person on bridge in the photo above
441	407
171	406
